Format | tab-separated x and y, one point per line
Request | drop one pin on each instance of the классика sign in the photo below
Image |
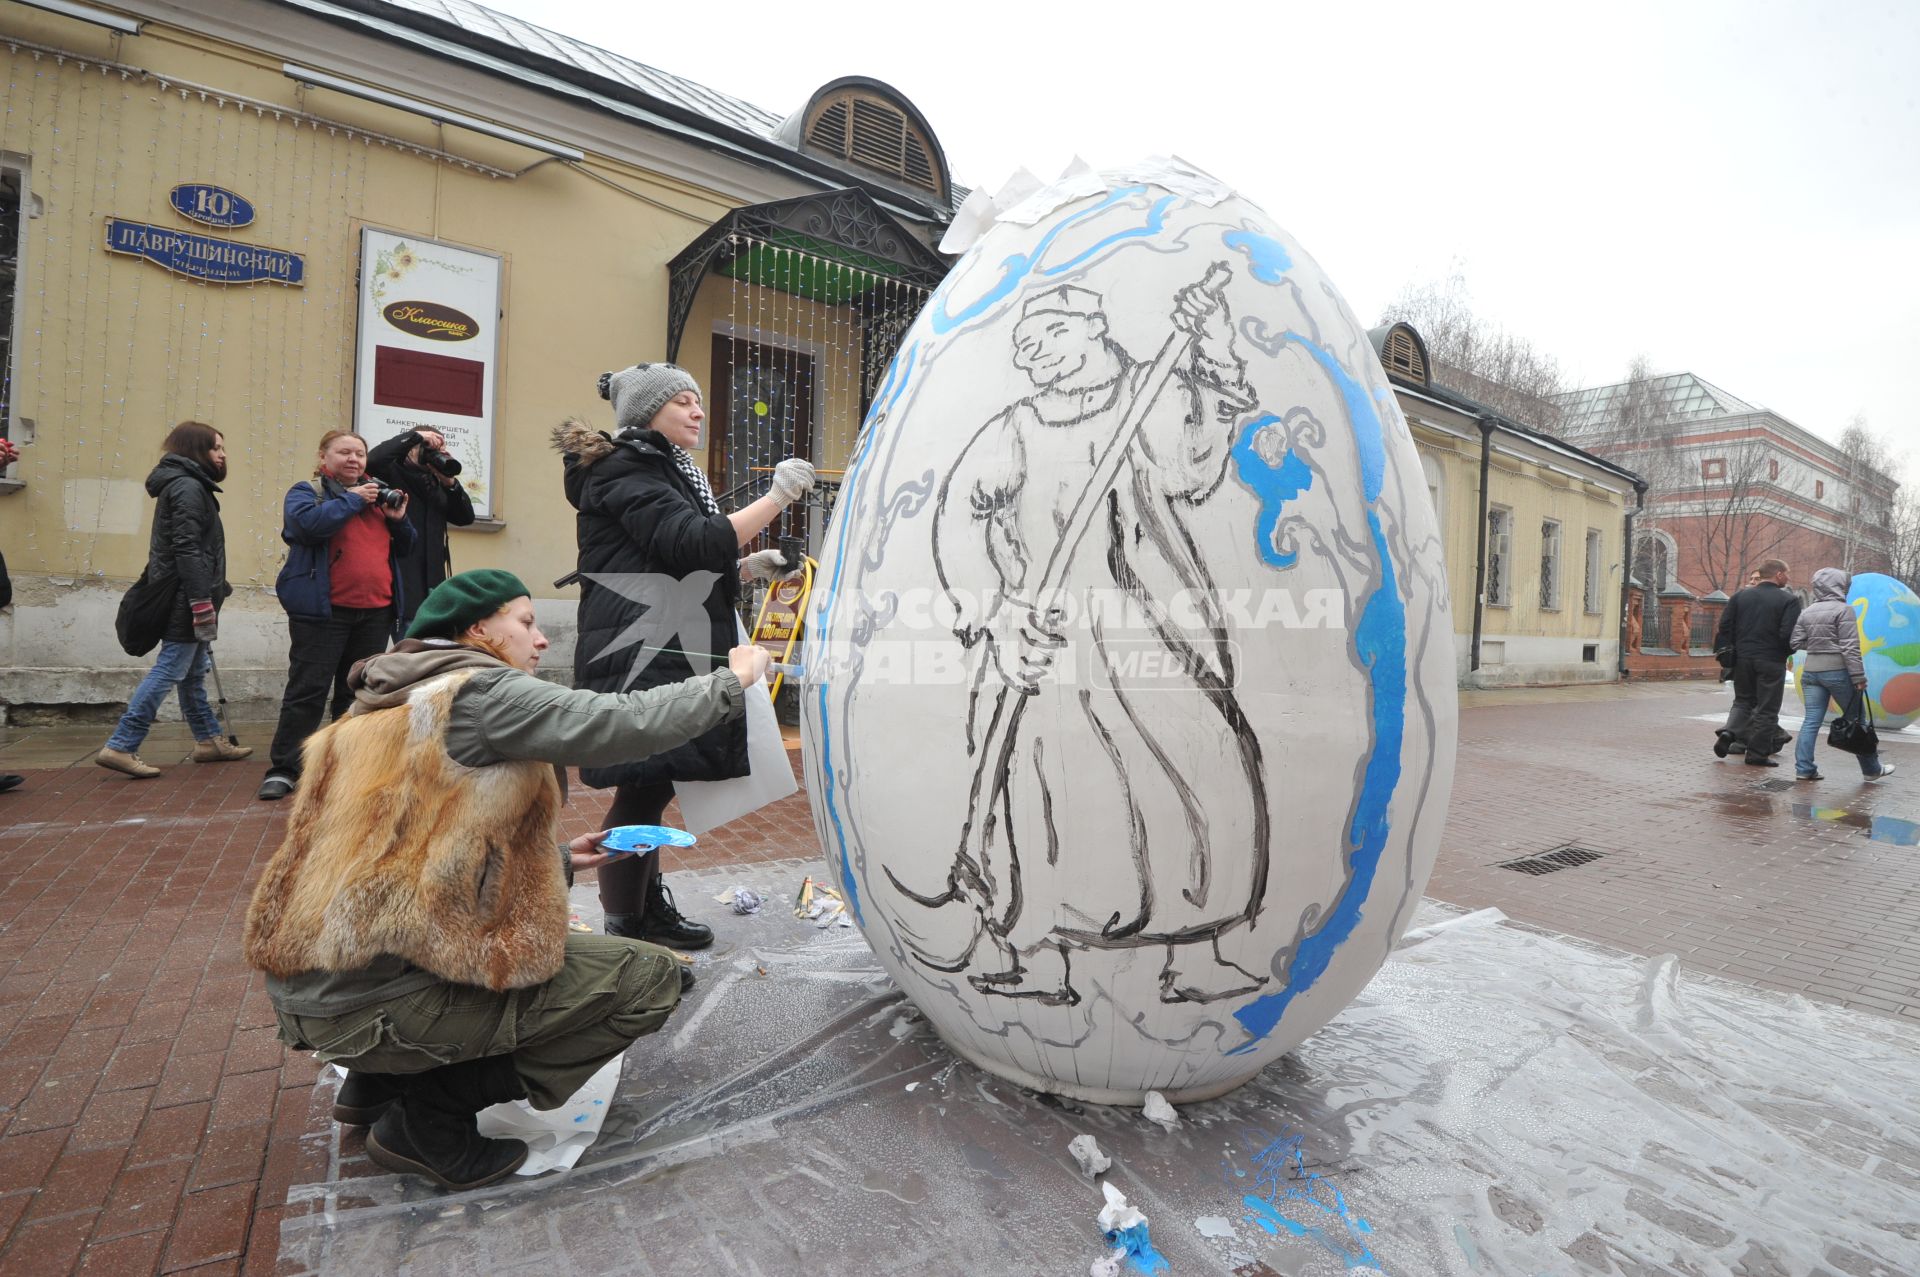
213	205
216	260
431	321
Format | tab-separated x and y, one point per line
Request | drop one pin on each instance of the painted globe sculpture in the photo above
1889	615
1130	715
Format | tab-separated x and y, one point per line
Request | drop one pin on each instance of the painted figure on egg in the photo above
1072	499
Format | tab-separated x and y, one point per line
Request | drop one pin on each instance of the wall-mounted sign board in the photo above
208	257
428	355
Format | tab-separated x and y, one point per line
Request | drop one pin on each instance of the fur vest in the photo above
395	848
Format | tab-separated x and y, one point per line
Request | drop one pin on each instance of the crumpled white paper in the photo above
1086	1151
1024	200
556	1139
1159	1112
1116	1216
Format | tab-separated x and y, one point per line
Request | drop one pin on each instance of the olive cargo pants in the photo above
610	992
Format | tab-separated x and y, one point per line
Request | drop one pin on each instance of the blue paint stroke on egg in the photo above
1275	485
1018	266
1267	257
1379	641
899	372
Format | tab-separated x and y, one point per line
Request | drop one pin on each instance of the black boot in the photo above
431	1130
627	927
365	1097
662	923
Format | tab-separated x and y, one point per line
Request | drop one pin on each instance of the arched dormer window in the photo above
866	123
1402	352
1405	354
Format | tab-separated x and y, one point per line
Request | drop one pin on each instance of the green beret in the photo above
457	602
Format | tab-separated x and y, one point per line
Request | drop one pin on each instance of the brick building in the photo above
1729	484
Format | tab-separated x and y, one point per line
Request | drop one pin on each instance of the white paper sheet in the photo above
709	804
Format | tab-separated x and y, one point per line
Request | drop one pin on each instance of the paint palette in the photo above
639	838
1130	707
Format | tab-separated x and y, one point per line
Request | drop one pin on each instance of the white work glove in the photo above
792	479
768	565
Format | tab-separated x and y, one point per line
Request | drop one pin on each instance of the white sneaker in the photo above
1882	774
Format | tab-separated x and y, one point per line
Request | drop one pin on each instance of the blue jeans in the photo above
1815	689
181	664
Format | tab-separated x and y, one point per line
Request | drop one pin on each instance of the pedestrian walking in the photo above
188	545
380	954
1828	631
418	463
341	590
1758	626
645	508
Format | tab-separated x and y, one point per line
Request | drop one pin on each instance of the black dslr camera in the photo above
445	462
391	498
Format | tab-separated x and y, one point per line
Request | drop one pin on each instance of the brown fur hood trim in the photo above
576	439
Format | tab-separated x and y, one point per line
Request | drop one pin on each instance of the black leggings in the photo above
624	882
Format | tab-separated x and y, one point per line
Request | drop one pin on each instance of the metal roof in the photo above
603	63
505	45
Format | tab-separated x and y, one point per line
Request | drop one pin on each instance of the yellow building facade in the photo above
1533	533
579	183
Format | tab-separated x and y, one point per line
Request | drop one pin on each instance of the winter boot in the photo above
662	923
218	750
431	1130
627	927
364	1098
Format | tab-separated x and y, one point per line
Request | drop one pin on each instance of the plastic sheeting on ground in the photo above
1498	1101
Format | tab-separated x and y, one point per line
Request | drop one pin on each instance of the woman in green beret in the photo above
413	923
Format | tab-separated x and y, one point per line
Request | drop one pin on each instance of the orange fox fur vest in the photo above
395	848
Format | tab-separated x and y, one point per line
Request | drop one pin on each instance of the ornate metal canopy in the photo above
842	228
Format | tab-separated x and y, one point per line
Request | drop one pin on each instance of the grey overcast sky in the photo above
1728	188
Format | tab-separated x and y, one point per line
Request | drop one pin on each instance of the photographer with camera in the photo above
418	463
342	590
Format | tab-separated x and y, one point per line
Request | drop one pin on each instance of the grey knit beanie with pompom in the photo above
639	392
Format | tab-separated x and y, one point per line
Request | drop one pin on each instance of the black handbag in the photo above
145	609
1851	732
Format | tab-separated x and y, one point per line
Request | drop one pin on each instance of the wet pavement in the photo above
1500	1100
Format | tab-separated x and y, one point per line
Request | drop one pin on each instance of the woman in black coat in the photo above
647	513
190	546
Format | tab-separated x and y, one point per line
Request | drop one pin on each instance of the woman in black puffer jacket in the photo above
646	512
190	545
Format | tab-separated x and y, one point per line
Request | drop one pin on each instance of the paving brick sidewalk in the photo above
150	1122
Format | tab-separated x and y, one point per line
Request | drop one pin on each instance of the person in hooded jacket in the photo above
413	924
1828	631
188	543
647	511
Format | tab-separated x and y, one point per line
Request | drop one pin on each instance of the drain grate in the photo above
1554	861
1774	786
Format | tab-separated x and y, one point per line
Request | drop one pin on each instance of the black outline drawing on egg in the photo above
1094	468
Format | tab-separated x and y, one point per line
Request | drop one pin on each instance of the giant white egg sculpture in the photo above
1129	716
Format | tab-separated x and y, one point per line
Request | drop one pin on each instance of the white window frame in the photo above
1499	556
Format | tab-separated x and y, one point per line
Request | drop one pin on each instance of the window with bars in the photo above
1550	565
1590	599
1499	557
